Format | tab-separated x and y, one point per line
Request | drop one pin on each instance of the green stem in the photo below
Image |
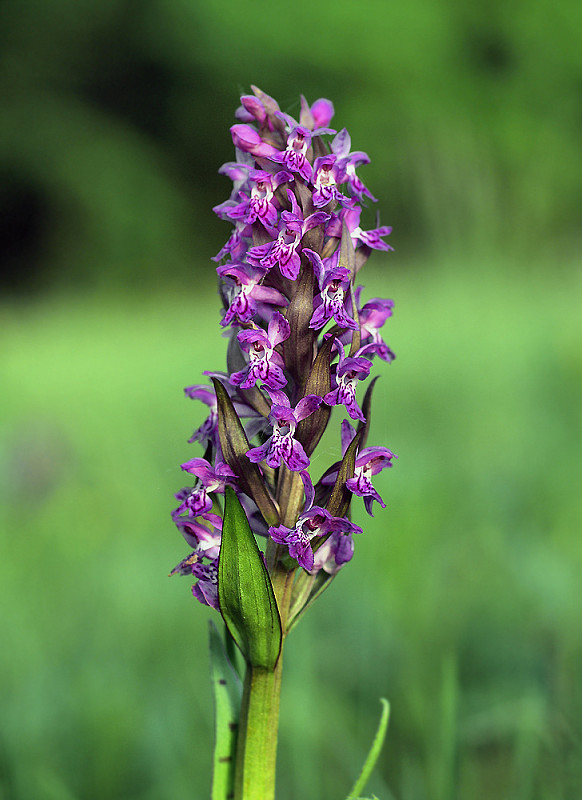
258	727
259	716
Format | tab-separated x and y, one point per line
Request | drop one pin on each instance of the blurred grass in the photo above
462	604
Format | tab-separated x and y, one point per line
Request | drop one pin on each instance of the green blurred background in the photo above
462	604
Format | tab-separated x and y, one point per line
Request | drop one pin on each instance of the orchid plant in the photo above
266	538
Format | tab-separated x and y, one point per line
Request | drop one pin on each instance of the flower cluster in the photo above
302	340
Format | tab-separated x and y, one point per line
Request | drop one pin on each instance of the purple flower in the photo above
260	107
249	140
334	552
349	371
204	536
265	363
206	589
260	204
351	214
236	245
294	156
347	163
245	292
369	462
210	479
334	283
324	182
311	523
208	431
283	250
318	116
282	446
372	317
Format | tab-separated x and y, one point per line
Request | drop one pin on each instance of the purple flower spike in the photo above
282	446
349	372
245	292
314	522
329	304
264	362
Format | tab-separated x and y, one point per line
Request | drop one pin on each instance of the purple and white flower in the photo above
349	372
347	164
316	521
325	182
265	363
210	479
334	284
282	445
245	292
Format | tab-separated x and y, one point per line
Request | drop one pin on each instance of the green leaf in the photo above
234	444
227	691
372	756
245	594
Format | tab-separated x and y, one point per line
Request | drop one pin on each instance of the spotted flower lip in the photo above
294	157
325	182
246	292
261	204
265	363
282	445
348	373
329	304
209	479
